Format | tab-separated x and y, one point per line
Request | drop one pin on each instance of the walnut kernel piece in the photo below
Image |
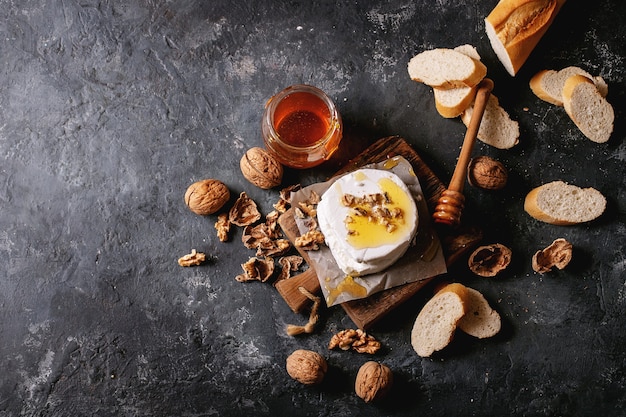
256	269
244	212
310	240
373	381
261	168
489	260
558	254
487	173
307	367
206	196
222	225
356	340
192	259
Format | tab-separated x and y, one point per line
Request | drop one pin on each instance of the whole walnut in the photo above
206	196
306	367
261	168
487	173
373	381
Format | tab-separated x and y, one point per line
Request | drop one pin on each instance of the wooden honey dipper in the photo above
451	202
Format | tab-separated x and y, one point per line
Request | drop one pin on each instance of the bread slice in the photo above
480	320
591	113
446	68
452	102
548	84
436	323
514	27
496	128
564	204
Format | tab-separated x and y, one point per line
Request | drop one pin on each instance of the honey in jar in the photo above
301	126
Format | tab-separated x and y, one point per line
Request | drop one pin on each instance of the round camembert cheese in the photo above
368	218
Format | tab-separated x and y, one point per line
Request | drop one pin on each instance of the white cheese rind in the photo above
331	215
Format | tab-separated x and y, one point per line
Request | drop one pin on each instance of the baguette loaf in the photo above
564	204
480	320
436	323
548	84
591	113
496	128
514	28
446	68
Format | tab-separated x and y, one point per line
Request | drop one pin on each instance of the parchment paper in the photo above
423	259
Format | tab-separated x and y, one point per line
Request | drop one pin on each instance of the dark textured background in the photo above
110	109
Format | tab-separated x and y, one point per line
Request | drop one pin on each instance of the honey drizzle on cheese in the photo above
369	231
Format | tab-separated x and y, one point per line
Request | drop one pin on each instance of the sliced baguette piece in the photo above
548	84
591	113
436	323
446	68
480	320
564	204
452	102
496	128
514	27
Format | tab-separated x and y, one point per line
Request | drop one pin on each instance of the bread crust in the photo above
537	88
514	28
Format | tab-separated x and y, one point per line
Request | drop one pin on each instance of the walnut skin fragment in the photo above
256	269
244	212
288	265
558	254
489	260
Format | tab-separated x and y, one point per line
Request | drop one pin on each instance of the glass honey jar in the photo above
301	126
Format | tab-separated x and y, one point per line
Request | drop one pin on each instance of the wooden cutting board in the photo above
366	312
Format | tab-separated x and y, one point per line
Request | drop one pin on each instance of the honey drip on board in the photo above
390	163
366	232
349	286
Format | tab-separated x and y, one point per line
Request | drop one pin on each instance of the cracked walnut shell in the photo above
261	168
307	367
373	381
558	254
489	260
206	196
